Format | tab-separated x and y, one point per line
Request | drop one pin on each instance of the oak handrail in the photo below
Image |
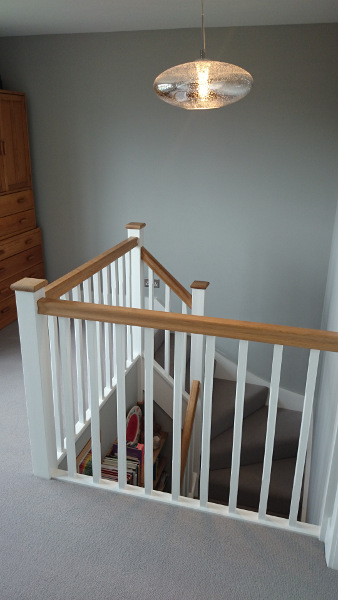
167	277
73	278
188	424
226	328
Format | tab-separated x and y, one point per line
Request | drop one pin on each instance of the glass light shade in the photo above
203	84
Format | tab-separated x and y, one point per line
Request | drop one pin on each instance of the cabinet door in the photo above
14	142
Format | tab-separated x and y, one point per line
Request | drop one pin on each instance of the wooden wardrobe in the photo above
20	239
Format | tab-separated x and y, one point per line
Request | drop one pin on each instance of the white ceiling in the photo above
36	17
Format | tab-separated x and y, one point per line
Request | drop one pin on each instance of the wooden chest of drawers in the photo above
21	257
20	239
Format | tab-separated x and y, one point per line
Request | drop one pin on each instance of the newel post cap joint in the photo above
28	284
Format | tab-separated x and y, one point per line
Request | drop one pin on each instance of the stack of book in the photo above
109	466
135	463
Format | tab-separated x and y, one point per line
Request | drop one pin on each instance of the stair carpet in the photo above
253	442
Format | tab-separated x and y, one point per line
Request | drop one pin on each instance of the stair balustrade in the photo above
84	333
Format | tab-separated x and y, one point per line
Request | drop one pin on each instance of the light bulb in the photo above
203	81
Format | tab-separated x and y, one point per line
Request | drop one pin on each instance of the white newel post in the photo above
197	372
329	516
136	230
37	375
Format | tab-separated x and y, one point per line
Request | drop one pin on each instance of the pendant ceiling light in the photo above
203	83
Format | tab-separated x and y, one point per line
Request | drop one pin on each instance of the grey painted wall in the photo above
243	197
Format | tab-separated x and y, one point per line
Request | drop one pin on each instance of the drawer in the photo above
20	262
7	311
36	271
19	243
16	223
14	203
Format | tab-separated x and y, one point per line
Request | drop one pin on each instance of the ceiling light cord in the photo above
202	52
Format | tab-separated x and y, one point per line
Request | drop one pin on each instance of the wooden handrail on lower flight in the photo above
159	269
73	278
188	424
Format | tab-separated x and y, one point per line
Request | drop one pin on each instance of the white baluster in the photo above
137	289
79	360
97	298
114	278
307	473
121	404
167	294
67	393
304	434
87	297
270	429
106	287
56	379
121	281
121	294
189	470
206	423
94	401
128	303
238	422
87	290
177	416
151	289
148	408
37	376
196	370
184	312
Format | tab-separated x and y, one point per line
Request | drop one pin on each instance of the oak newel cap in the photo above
133	225
28	284
200	285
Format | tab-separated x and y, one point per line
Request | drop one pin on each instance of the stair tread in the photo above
253	439
249	487
223	403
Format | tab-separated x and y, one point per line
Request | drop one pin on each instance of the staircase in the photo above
253	442
90	325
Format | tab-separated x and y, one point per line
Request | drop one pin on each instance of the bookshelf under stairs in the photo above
88	342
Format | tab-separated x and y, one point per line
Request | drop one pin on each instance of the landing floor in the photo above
63	541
